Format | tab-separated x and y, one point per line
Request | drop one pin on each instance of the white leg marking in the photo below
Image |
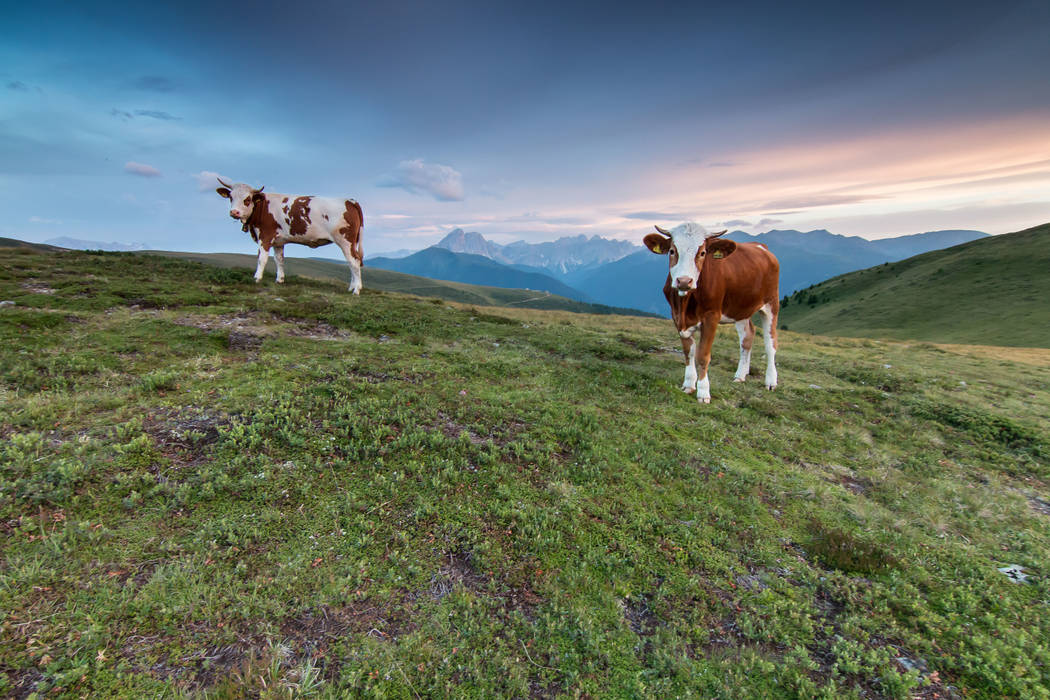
355	267
703	390
771	353
278	255
264	255
689	383
744	366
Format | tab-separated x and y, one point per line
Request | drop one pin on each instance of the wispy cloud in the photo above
42	220
737	222
141	169
154	83
442	182
652	215
157	114
18	85
149	113
819	200
769	222
208	180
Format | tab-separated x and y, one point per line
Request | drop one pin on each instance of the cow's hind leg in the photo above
746	330
769	335
264	255
278	256
689	348
353	262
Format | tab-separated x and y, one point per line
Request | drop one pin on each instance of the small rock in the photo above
495	345
962	384
7	302
1014	572
815	386
384	338
888	366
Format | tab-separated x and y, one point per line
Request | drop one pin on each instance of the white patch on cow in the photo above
689	383
278	256
687	239
744	366
703	390
264	255
771	353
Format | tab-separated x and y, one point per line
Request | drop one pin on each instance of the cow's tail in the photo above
360	214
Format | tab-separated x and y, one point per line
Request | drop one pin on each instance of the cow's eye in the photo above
247	200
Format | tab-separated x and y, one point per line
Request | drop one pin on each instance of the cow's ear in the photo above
223	192
657	243
258	196
720	248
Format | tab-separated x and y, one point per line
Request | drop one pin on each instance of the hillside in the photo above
390	281
211	486
990	291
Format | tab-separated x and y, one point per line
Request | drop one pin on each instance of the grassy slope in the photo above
390	281
205	488
991	291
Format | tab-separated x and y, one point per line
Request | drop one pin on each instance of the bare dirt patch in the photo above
184	435
36	287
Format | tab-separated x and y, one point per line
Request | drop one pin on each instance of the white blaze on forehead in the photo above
687	238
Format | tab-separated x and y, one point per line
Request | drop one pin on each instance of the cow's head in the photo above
242	198
686	246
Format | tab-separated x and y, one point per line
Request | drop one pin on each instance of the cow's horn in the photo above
716	235
224	184
663	231
264	187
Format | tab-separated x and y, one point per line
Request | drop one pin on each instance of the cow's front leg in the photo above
689	348
708	328
264	255
746	331
769	335
278	256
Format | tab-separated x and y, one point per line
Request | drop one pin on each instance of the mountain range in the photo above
619	273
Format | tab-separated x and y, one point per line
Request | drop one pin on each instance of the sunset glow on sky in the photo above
524	123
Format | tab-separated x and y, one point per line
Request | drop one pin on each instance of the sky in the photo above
524	121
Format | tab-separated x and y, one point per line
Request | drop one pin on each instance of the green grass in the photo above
215	488
390	281
991	291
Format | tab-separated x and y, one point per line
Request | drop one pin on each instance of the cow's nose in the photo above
235	214
684	282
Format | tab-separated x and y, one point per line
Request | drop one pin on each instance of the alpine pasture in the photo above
215	488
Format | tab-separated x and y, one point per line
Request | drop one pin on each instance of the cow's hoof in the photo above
771	387
689	389
280	281
704	399
739	379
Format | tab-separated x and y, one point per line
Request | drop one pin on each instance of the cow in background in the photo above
277	219
713	280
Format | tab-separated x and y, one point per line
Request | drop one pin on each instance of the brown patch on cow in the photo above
351	231
284	200
262	224
300	216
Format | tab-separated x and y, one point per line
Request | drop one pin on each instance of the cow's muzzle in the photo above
684	285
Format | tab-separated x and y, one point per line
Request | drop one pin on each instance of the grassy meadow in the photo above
991	291
211	488
390	281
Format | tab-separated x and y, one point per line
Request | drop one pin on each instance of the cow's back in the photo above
744	281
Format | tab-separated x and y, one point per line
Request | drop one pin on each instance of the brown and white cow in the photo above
713	280
277	219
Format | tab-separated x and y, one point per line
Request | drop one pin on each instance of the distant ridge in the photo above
559	258
80	244
990	291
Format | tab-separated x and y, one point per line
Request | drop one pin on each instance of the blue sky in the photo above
524	121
